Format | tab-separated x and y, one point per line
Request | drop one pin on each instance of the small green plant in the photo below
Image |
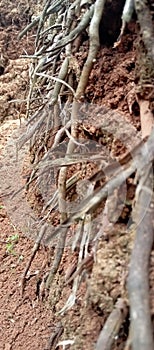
1	207
11	242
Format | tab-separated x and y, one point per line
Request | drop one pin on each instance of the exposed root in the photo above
94	45
112	326
52	342
93	49
141	334
52	9
57	72
138	280
143	154
146	26
85	264
58	255
34	251
146	116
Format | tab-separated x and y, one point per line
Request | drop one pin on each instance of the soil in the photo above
30	321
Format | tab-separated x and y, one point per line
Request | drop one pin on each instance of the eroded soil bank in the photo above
30	321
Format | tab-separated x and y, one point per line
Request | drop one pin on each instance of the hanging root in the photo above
57	71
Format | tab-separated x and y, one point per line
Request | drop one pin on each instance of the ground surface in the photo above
29	322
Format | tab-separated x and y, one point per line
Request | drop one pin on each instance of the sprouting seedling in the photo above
11	242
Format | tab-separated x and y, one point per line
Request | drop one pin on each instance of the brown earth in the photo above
29	322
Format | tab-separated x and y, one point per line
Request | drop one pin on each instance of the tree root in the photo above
146	26
94	45
52	9
138	280
59	46
34	251
53	340
146	117
74	33
143	154
112	326
58	255
141	334
93	49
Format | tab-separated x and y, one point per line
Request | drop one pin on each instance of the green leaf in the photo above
13	238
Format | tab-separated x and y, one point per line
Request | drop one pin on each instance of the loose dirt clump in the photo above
13	87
